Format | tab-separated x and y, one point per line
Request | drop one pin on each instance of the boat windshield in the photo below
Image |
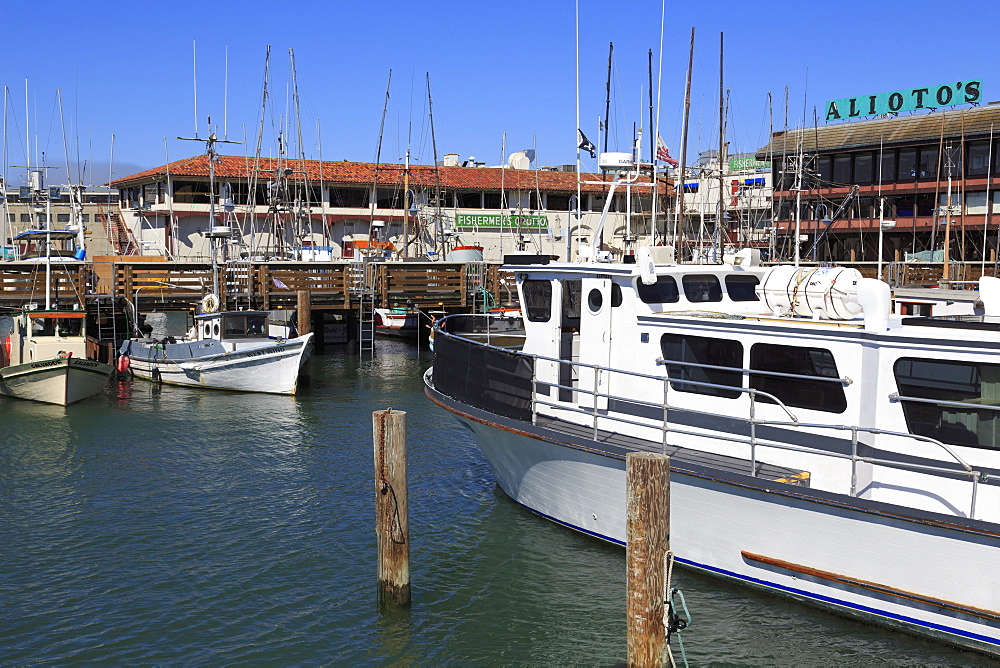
54	326
244	326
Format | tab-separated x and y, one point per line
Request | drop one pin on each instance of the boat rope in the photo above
672	622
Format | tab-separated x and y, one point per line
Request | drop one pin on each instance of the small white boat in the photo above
402	323
46	359
230	350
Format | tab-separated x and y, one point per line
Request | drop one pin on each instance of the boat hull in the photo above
273	369
917	572
60	381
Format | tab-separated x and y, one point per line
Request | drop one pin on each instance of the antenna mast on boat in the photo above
213	233
3	181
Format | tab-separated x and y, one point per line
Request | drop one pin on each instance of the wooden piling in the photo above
391	507
304	324
648	541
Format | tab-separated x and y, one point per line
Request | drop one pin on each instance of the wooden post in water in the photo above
391	507
647	478
304	324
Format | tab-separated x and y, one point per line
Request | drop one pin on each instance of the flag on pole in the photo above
663	153
278	284
584	144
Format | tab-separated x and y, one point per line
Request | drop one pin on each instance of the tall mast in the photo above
678	222
579	194
721	220
946	269
439	232
607	98
378	160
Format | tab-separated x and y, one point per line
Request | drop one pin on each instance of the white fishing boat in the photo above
821	447
397	322
44	356
230	350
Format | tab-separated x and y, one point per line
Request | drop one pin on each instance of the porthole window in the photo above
216	328
616	295
595	300
208	329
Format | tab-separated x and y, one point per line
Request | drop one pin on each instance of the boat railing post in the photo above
975	491
854	461
534	389
753	433
597	383
666	413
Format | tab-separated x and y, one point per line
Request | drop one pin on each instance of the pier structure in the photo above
115	290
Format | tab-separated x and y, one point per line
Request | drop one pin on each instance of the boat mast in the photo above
678	222
721	218
438	231
378	161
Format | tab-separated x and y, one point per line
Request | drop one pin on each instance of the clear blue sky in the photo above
126	69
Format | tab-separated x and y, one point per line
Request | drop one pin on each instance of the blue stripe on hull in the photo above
828	601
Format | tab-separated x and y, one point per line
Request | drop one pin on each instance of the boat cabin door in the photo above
595	342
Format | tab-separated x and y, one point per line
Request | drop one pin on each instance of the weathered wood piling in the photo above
391	507
648	535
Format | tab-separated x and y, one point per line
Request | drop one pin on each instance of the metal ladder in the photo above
366	323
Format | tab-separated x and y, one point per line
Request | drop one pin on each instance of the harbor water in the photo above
172	526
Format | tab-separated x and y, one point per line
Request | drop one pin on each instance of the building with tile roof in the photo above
310	209
927	181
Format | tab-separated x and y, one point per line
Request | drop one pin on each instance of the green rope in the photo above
687	623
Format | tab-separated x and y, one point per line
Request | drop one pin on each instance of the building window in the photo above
349	198
742	287
555	202
702	288
491	200
664	291
469	200
824	168
978	161
697	350
62	217
887	167
25	217
537	300
12	217
863	168
928	166
802	391
84	217
972	383
842	168
907	167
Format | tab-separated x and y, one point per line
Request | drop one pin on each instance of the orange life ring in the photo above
6	345
123	363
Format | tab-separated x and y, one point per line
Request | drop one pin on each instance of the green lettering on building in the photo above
742	164
912	99
501	221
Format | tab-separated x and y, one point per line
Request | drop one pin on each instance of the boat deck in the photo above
618	445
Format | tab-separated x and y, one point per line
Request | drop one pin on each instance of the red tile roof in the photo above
363	173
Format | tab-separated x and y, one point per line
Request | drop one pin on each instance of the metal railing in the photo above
597	415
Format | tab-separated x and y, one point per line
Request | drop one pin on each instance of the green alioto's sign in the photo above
500	220
911	99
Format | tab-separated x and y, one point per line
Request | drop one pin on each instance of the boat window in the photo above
56	326
537	300
250	325
572	296
972	383
702	288
742	287
616	295
595	300
797	392
704	350
664	291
